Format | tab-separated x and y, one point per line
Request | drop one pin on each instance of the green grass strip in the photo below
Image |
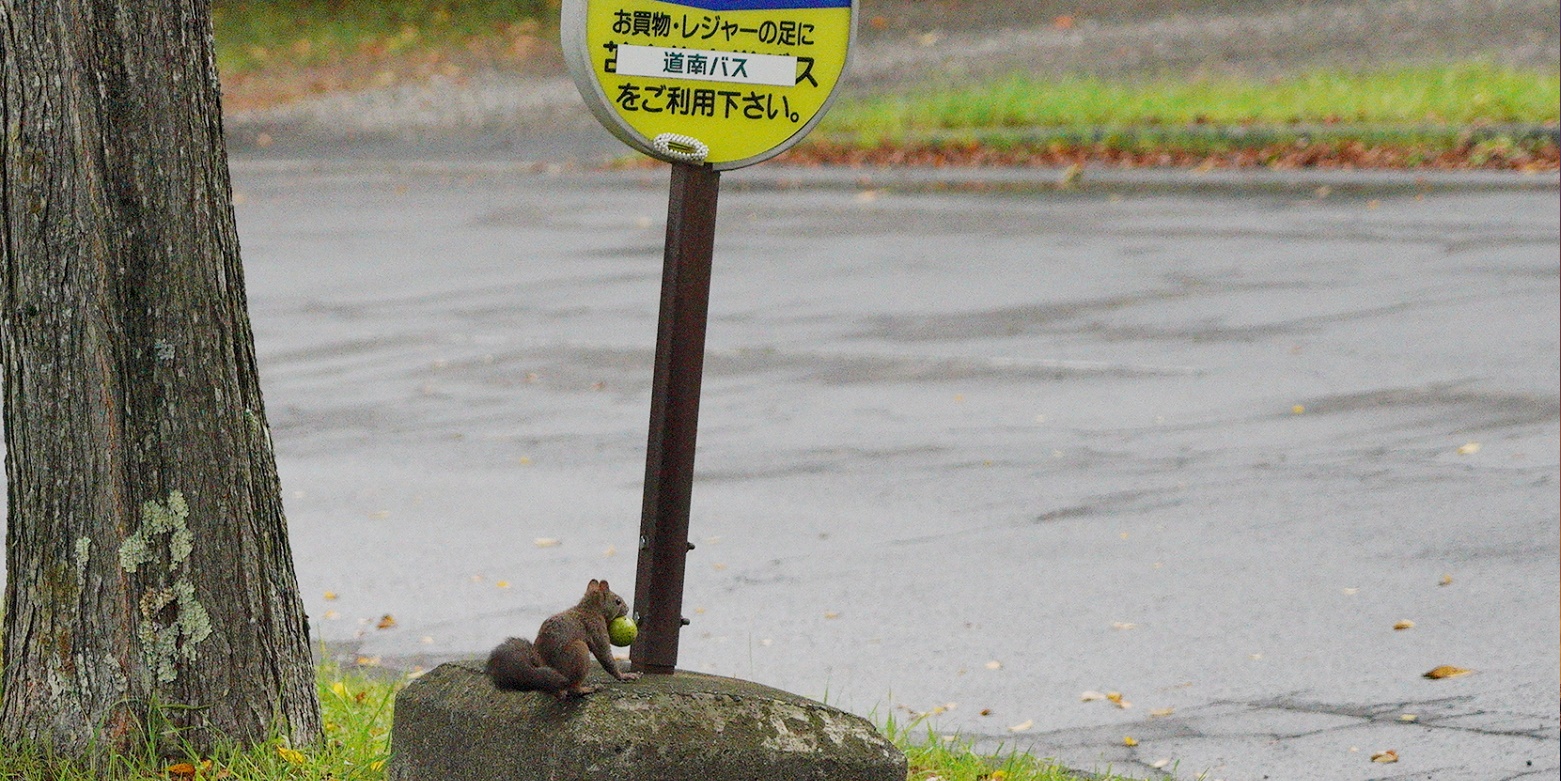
253	34
1459	94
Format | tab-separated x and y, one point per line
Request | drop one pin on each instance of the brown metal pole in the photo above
674	417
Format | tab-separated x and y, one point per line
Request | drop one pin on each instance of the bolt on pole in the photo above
674	417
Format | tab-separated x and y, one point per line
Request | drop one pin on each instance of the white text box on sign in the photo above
701	65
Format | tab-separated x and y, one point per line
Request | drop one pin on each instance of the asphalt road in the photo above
967	441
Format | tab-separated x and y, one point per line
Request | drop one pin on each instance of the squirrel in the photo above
557	661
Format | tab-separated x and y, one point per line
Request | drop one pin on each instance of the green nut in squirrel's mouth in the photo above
622	631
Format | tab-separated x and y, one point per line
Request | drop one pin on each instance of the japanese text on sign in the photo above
706	65
745	78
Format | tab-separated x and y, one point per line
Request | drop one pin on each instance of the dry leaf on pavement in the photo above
1446	671
1385	757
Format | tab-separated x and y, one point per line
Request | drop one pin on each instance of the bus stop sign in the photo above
728	83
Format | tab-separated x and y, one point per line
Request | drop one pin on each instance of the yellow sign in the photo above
725	82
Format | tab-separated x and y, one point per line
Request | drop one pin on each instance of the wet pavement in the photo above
968	442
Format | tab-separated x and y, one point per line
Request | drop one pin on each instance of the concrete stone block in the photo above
453	724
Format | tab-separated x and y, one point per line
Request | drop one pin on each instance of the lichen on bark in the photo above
172	621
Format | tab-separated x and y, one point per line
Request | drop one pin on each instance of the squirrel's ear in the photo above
594	585
604	585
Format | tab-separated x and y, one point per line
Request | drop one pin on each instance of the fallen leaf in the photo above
1447	580
386	621
293	756
986	711
1130	741
1385	757
1022	726
831	614
545	542
994	665
1409	717
1405	624
1160	713
181	770
1468	448
367	661
1116	697
331	615
502	584
1446	671
1123	626
1350	592
1071	176
1160	764
1299	409
330	596
1062	23
610	552
1091	696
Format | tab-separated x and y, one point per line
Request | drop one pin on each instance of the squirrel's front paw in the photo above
629	676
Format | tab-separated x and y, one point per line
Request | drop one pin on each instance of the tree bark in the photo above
149	576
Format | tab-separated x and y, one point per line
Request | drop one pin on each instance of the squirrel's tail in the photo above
515	665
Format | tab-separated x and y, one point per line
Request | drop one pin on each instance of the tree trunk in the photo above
148	570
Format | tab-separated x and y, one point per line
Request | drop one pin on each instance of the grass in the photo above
952	758
1463	94
253	35
356	709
